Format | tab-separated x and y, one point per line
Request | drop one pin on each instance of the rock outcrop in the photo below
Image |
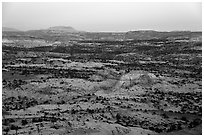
135	82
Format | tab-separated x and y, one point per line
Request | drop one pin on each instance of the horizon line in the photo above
105	31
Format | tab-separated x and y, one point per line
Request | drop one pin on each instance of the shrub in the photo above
24	122
184	118
165	115
14	127
195	123
7	129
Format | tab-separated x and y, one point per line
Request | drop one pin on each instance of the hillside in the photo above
142	82
145	35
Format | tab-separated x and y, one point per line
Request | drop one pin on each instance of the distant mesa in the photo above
9	29
62	29
55	29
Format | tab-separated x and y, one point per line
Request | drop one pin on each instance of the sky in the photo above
104	17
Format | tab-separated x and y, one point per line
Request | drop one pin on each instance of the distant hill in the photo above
9	29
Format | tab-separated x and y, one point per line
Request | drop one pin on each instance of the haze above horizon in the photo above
104	17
